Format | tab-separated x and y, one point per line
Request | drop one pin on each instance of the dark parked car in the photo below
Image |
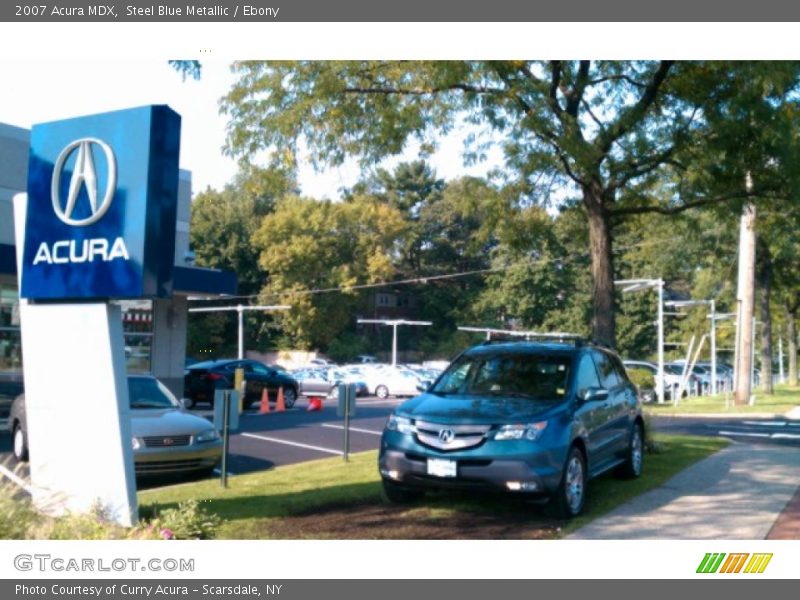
166	439
523	417
202	379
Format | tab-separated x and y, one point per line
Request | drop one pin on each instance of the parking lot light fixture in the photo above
240	310
394	323
636	285
713	316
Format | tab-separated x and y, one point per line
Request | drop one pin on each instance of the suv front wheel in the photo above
570	496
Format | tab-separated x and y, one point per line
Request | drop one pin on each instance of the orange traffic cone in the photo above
264	409
314	403
280	405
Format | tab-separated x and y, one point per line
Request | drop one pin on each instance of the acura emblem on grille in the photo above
446	436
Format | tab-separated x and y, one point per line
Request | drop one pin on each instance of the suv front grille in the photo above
450	437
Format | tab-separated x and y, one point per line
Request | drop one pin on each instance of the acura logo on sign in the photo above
84	174
446	436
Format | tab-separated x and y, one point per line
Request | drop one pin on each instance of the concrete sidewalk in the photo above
738	493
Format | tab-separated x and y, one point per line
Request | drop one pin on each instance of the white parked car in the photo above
385	381
672	380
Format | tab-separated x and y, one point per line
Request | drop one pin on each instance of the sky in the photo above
40	91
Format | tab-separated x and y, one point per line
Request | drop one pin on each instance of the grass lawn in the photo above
784	399
331	499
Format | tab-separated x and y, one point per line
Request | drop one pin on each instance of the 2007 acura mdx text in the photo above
533	418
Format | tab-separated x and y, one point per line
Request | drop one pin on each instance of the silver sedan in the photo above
165	438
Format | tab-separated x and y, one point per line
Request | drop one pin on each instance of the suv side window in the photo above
586	377
608	374
619	368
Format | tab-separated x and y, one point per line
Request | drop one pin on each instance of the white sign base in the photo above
76	400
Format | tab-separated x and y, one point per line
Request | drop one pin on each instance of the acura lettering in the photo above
66	252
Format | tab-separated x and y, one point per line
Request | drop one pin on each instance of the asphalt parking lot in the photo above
297	435
264	441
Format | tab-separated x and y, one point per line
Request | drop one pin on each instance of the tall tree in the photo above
223	223
608	129
316	252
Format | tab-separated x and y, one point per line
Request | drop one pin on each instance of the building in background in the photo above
155	330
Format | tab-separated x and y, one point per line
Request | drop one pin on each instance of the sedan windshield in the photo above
539	377
144	392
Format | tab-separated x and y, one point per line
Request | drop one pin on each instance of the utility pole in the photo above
746	301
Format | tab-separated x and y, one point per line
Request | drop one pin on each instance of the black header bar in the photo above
401	11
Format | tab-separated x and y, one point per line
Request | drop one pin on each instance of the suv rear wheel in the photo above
632	467
570	497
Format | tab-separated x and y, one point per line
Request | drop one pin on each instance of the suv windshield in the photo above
535	376
144	392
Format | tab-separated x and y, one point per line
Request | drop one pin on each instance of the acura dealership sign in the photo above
102	193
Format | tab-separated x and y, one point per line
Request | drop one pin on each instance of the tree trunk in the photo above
791	333
746	301
603	322
765	288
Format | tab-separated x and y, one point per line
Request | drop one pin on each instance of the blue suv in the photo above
539	419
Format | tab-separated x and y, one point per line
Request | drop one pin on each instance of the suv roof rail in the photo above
564	338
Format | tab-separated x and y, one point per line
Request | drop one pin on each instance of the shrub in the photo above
17	515
19	520
188	521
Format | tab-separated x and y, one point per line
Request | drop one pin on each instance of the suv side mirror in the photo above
593	394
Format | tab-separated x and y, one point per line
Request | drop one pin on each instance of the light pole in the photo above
635	285
240	310
713	317
394	323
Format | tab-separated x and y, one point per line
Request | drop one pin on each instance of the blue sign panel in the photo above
102	206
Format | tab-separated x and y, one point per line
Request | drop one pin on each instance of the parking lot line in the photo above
288	443
744	434
356	429
15	478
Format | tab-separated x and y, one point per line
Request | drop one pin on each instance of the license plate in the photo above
441	467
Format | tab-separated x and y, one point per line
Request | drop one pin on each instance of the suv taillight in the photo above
213	377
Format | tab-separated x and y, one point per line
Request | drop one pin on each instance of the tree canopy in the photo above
628	137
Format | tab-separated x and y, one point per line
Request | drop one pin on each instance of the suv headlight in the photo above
136	443
529	431
399	424
209	435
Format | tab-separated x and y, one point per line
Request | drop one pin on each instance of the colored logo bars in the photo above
734	563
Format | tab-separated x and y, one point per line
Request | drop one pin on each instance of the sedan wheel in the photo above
20	444
382	392
289	397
